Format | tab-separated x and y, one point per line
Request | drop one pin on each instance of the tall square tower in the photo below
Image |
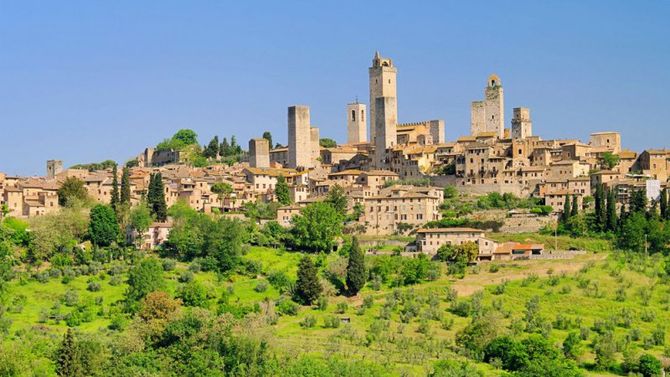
382	84
299	137
357	131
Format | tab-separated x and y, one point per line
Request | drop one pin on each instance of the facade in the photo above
522	127
54	167
357	129
259	153
382	75
489	115
385	126
299	137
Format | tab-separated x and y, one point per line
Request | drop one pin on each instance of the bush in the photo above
71	298
93	286
287	307
368	301
331	322
341	307
308	322
261	287
192	294
186	277
169	264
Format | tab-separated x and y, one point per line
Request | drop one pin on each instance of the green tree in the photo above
356	275
327	143
114	202
222	191
102	227
144	278
610	160
282	191
186	137
125	186
633	229
612	219
600	204
316	228
571	344
212	149
565	216
192	294
649	366
140	218
72	191
638	201
224	148
307	287
156	197
268	136
664	204
68	363
575	207
338	199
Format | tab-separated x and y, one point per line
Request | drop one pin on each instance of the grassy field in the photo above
575	294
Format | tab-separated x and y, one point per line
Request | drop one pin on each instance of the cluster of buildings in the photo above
375	165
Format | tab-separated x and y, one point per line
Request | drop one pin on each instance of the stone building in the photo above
410	205
299	137
259	153
522	127
385	129
357	129
489	115
609	140
382	76
314	136
54	167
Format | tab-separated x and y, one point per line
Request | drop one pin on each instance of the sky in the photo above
85	81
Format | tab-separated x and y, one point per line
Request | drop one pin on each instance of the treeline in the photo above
637	226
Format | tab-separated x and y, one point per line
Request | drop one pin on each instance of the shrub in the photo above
331	322
261	287
494	267
169	264
93	286
368	301
186	277
308	322
71	297
341	307
287	307
192	294
322	303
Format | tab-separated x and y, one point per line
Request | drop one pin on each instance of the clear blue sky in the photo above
85	81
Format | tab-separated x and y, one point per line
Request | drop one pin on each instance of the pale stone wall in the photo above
522	126
357	130
259	153
382	75
54	167
477	117
316	147
299	137
609	140
495	107
385	125
430	240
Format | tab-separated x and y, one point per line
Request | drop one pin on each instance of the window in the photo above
353	115
362	116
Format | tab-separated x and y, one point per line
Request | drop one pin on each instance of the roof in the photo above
386	173
449	230
274	172
346	172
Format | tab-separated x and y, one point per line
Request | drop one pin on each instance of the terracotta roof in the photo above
449	230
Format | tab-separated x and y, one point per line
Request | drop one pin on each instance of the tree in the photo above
186	137
664	204
600	203
575	207
327	143
144	278
156	197
610	160
631	235
316	227
307	287
338	199
71	191
638	201
222	191
212	149
103	228
612	220
649	366
565	216
571	345
224	148
115	188
68	363
282	191
268	136
601	216
192	294
355	268
125	186
140	218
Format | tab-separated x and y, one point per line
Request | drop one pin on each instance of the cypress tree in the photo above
224	149
268	136
566	209
575	206
612	220
67	357
115	188
598	205
282	191
355	268
664	204
125	186
156	197
212	149
639	201
602	214
307	287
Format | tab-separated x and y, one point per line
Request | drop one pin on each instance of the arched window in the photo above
353	115
362	115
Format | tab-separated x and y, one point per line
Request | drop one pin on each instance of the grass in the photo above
397	341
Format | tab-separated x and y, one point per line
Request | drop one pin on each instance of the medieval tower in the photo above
489	115
522	126
385	128
357	131
382	84
300	147
259	153
54	167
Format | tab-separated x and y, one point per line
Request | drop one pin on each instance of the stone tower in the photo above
299	137
386	133
382	84
357	130
259	153
53	168
315	138
489	115
522	126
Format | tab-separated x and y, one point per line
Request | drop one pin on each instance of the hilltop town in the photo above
393	174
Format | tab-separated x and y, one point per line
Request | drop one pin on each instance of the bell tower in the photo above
382	84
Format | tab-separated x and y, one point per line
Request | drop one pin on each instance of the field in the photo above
409	327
